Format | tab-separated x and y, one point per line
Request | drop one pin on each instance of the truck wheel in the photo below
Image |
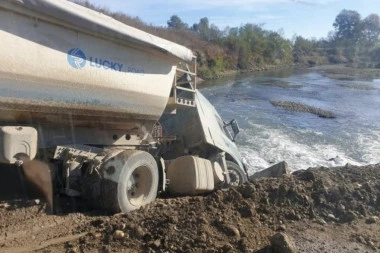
237	174
130	180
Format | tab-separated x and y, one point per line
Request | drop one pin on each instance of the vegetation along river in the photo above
272	134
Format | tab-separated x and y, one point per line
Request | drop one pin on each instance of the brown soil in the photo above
324	210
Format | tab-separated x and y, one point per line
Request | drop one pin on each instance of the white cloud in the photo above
183	5
202	4
224	21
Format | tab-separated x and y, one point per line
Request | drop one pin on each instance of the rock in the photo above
156	243
173	219
232	231
320	221
97	235
348	216
340	208
161	205
247	190
362	210
109	229
202	238
122	226
312	212
372	220
202	220
283	243
37	201
361	239
371	245
281	228
73	250
227	247
4	205
331	217
292	215
304	175
106	248
118	234
368	187
139	232
277	170
246	211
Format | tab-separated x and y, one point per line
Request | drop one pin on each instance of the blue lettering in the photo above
97	63
91	62
120	66
113	65
134	70
106	64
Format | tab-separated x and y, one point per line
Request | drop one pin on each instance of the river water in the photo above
271	134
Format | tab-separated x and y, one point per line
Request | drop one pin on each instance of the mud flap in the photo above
38	173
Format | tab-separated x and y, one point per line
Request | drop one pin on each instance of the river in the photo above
271	134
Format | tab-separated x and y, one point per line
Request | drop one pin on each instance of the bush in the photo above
336	59
375	55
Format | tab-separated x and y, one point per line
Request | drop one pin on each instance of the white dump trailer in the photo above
110	111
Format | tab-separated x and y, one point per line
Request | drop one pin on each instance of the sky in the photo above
308	18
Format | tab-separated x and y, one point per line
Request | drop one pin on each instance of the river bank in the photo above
347	72
237	72
334	71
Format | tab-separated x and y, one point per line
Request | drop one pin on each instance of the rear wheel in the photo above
237	174
130	180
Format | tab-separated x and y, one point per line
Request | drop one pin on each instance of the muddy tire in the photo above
237	174
130	180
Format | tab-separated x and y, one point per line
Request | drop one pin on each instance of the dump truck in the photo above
94	108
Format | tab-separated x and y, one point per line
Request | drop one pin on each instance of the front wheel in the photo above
237	174
130	180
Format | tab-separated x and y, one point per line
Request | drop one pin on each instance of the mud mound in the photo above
243	218
239	219
299	107
357	86
282	84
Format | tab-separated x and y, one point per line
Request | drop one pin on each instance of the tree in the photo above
214	33
302	45
371	29
204	29
176	23
278	49
195	28
348	26
231	39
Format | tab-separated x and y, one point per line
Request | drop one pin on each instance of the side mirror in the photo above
235	128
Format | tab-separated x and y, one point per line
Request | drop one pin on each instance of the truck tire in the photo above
130	180
237	174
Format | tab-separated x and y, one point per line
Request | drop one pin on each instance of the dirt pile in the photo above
299	107
307	205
